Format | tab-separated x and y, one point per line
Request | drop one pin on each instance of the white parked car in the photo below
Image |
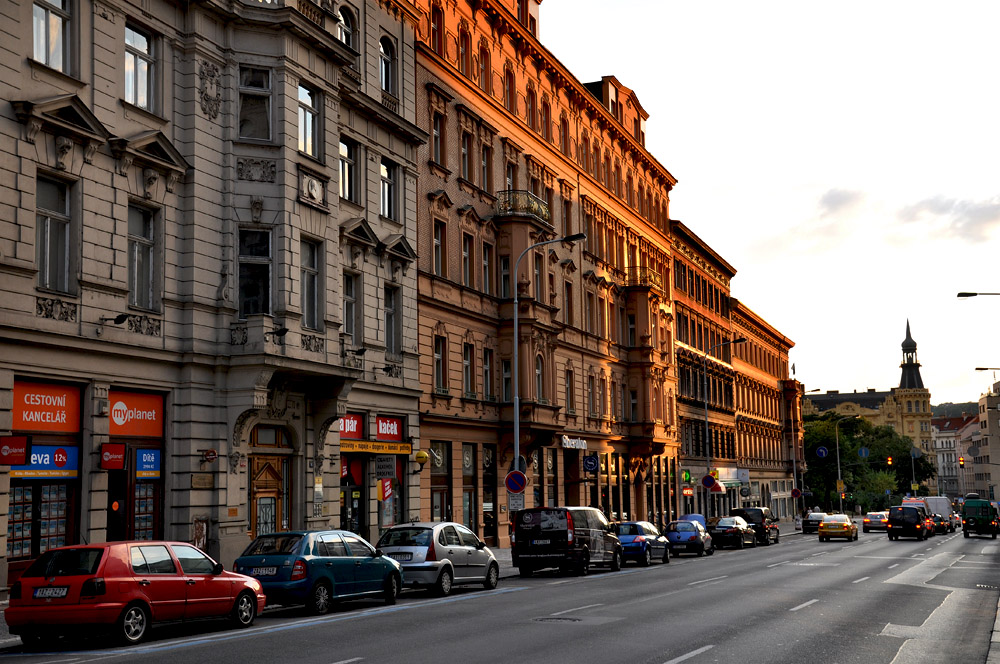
437	555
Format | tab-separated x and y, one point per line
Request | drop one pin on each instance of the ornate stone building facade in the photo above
208	270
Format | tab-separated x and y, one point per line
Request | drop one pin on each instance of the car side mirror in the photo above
376	553
480	545
217	569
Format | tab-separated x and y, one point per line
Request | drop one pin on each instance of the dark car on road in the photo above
875	521
810	524
731	531
688	536
642	542
570	538
763	521
907	521
979	517
942	525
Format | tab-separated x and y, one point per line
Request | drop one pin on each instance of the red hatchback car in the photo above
126	586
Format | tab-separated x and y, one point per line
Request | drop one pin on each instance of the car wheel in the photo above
524	572
710	551
390	590
701	551
741	544
666	556
584	567
646	559
31	640
244	610
965	533
133	624
320	599
616	561
753	542
492	577
444	583
864	530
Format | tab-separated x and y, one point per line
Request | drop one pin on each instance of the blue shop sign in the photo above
50	461
147	464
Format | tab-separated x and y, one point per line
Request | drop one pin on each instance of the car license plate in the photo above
401	557
263	571
50	591
540	542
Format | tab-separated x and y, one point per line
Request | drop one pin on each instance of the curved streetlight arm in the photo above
967	294
514	377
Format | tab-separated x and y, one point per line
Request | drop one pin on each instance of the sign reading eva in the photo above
113	456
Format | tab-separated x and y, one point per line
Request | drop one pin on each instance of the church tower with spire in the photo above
913	402
910	379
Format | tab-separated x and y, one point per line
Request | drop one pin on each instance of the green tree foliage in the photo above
866	479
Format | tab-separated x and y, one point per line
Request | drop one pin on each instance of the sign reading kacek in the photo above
389	429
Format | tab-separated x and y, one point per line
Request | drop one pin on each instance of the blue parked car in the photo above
689	536
316	568
642	542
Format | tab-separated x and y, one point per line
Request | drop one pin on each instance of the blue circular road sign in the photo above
708	481
821	452
863	452
515	481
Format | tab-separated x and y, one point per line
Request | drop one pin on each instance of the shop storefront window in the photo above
440	451
470	499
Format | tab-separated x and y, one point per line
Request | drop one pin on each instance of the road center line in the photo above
893	565
822	553
714	578
864	578
579	608
802	606
781	563
689	655
348	661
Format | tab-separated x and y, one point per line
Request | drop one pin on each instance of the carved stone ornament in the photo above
64	148
312	343
256	208
238	336
56	309
278	403
144	325
209	89
234	462
256	170
149	180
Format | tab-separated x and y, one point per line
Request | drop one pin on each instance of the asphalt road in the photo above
800	601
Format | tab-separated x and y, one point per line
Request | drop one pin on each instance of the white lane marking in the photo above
802	606
822	553
579	608
714	578
781	563
864	578
893	565
348	661
691	654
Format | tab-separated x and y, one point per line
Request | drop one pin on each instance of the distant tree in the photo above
950	409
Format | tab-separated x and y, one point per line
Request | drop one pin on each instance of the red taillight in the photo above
692	538
15	590
234	568
867	520
92	587
432	552
298	570
730	530
569	527
918	526
639	539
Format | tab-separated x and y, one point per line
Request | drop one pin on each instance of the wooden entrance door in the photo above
267	494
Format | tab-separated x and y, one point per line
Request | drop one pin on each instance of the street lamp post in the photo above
708	442
795	454
517	397
840	481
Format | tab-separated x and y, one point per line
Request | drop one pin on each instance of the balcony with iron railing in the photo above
514	203
644	277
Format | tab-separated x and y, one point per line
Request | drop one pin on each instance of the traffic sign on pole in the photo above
821	452
708	481
796	493
515	481
515	502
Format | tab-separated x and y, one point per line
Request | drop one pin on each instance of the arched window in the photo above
509	93
546	121
345	27
596	165
465	52
539	378
387	65
530	111
437	30
629	192
618	180
607	170
564	136
484	69
585	153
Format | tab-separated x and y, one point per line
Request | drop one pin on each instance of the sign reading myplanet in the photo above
46	407
136	414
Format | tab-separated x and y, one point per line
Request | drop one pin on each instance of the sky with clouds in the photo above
843	156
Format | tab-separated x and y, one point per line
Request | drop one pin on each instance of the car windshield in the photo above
629	529
682	527
816	515
753	516
874	515
547	519
406	537
836	518
727	521
66	562
265	544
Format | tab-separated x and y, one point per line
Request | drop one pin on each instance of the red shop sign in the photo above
46	407
389	428
136	414
352	426
113	456
14	450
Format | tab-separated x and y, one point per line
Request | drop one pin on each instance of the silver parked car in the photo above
438	555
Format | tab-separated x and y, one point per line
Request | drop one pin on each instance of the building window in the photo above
387	65
511	176
464	53
591	404
591	313
604	397
484	69
51	21
539	378
539	284
310	284
53	220
633	406
140	68
486	175
505	379
255	103
564	136
467	156
467	256
255	272
437	139
348	159
468	370
393	321
440	249
345	27
487	285
437	31
505	276
568	302
631	330
308	121
530	110
546	121
440	363
509	91
488	393
352	308
140	257
567	217
388	177
570	393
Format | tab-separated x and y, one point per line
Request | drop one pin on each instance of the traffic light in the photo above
890	461
961	462
842	495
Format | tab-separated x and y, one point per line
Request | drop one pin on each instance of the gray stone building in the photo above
207	237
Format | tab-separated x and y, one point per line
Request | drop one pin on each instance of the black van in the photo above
570	538
907	521
765	524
